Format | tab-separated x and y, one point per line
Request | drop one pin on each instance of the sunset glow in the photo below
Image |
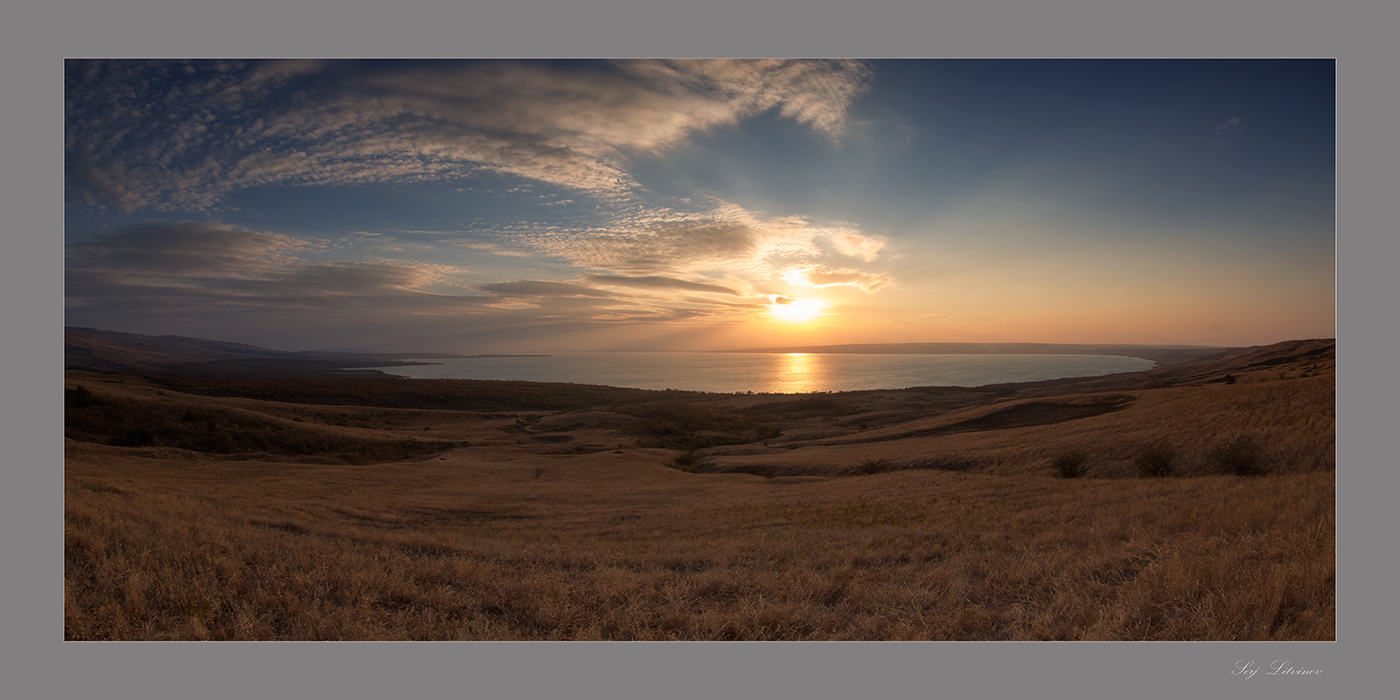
796	310
522	206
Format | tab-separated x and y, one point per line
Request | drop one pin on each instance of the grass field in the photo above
934	515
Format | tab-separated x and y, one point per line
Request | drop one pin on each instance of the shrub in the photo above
951	463
1156	460
1070	464
1241	455
874	466
80	397
679	427
804	408
139	437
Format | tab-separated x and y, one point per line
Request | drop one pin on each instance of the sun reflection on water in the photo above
799	372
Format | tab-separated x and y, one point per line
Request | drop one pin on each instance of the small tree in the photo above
1156	460
1070	465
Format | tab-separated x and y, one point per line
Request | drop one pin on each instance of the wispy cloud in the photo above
727	237
1226	132
815	93
683	194
1233	125
857	245
215	280
193	265
182	135
542	288
676	248
656	282
736	252
186	250
821	278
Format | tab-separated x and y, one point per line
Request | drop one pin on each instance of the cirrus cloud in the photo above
657	282
821	278
186	249
726	237
856	245
192	265
182	135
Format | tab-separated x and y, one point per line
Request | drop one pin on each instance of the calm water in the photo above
775	373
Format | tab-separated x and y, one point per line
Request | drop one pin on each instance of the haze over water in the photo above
782	373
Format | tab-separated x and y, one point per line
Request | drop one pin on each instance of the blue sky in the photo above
466	206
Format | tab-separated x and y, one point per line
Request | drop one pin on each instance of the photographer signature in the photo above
1280	667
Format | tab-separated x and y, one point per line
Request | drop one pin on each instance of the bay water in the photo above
778	373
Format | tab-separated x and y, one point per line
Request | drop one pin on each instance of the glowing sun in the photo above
795	310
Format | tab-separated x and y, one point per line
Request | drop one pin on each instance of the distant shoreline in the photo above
1163	355
969	348
99	350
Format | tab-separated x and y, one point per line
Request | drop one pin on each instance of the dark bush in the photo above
949	463
874	466
80	397
1242	455
687	428
139	437
1156	460
762	470
804	408
1069	465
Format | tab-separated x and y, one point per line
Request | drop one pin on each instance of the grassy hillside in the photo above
136	414
207	508
492	544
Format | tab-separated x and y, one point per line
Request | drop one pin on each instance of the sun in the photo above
795	310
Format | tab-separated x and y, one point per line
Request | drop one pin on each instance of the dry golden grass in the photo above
1295	419
609	546
597	535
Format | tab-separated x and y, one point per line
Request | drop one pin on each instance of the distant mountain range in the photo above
113	351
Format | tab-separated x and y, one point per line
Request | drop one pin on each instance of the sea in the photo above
772	373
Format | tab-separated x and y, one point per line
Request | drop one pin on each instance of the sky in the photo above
551	206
